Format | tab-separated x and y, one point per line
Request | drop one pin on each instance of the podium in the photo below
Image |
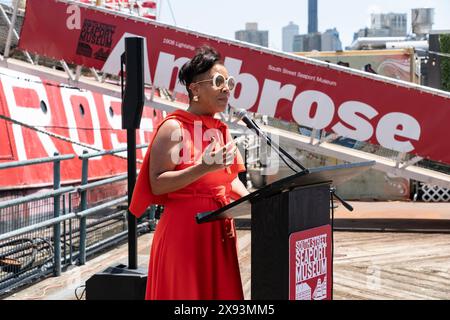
291	234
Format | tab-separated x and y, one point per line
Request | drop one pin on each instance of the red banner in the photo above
369	108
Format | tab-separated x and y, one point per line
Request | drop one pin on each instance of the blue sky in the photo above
223	18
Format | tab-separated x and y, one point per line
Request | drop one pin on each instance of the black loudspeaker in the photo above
117	283
133	95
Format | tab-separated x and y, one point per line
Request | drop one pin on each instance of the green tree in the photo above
444	40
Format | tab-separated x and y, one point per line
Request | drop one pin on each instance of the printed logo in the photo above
310	264
95	40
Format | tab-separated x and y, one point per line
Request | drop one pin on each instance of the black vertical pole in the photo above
132	105
132	221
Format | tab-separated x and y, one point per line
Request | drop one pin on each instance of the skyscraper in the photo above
251	34
308	42
289	32
394	22
331	41
384	25
312	16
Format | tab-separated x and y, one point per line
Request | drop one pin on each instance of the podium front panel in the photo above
274	220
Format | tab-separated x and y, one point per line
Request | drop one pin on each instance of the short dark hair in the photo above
205	58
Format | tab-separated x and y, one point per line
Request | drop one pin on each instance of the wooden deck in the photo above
367	265
391	266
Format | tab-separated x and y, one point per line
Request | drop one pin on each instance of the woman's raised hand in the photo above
216	157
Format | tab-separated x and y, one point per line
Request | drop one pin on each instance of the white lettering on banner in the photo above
397	124
249	85
146	126
289	72
33	116
301	109
67	95
351	113
112	64
73	21
348	112
164	71
272	68
115	121
272	93
306	76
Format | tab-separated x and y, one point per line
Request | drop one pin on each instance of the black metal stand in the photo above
121	282
132	221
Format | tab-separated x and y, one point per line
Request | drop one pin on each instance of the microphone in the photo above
241	114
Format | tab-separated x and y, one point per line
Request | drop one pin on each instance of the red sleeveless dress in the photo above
188	260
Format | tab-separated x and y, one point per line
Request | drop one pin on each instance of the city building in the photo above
330	40
298	44
395	23
251	34
384	25
307	42
288	33
314	40
312	16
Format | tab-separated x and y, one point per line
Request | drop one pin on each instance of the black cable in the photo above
282	158
82	293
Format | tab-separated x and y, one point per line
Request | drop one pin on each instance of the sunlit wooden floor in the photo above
367	265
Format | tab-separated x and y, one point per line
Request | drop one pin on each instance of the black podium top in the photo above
334	175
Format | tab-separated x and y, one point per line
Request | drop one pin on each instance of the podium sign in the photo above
310	266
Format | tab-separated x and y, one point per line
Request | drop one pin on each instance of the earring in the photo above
195	98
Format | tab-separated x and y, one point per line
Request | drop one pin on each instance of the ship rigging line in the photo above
57	136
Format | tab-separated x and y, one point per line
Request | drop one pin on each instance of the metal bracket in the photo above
67	69
78	73
313	134
96	75
400	158
328	138
411	162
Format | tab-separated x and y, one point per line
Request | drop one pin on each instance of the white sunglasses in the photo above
219	81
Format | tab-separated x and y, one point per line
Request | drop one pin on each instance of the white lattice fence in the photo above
432	193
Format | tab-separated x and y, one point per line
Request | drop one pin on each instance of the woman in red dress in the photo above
191	166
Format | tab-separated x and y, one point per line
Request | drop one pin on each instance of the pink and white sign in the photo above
310	264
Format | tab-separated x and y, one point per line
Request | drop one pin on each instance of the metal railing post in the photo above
56	213
64	249
83	204
70	233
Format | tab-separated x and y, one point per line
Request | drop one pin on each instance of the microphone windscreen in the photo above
240	113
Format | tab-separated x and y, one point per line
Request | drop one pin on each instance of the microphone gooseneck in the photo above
241	114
